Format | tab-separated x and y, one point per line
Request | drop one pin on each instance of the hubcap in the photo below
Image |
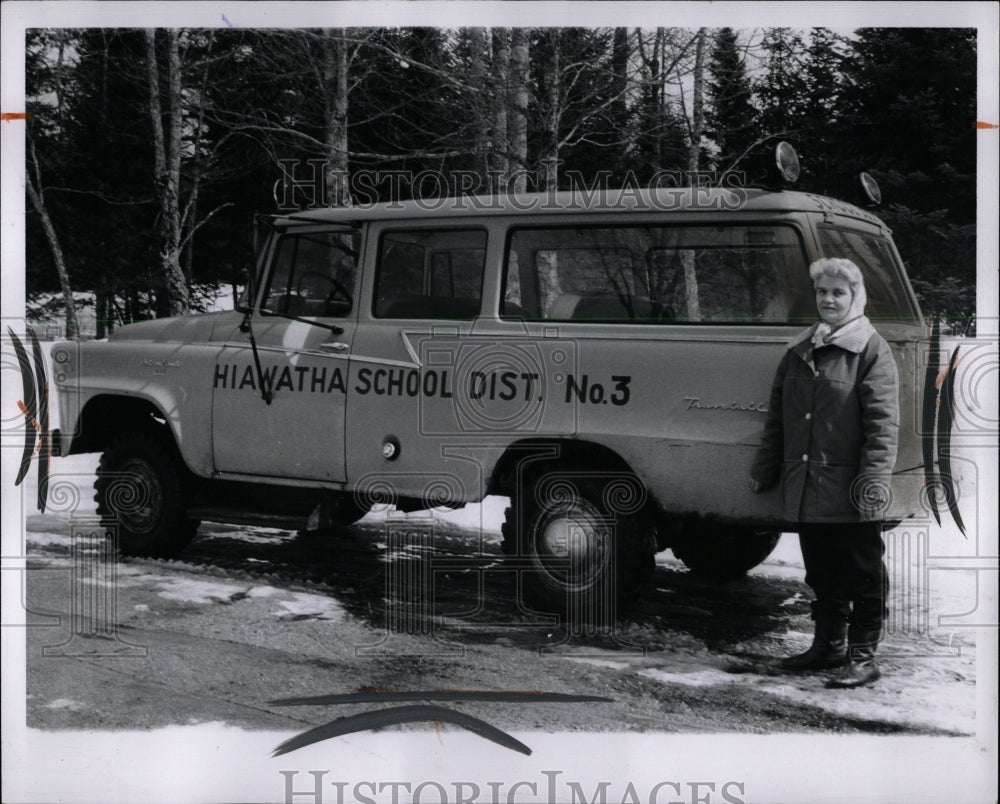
573	546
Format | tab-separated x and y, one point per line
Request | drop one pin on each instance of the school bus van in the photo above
602	359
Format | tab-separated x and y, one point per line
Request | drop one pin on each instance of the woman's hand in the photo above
755	486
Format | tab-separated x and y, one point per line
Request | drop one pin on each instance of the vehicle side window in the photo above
887	297
430	274
658	274
313	275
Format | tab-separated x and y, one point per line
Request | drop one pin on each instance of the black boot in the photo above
828	649
861	668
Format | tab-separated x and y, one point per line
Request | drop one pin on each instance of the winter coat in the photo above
832	428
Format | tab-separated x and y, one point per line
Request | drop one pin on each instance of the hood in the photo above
188	328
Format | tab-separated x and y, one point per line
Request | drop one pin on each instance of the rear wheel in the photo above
580	542
723	552
141	495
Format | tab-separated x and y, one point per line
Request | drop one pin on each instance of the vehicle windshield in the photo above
887	296
738	274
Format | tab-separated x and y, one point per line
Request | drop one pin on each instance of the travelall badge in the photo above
695	403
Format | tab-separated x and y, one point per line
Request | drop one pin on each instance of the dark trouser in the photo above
845	570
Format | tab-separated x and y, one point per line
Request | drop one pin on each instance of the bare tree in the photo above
477	43
167	165
518	119
335	113
694	152
36	193
552	82
501	81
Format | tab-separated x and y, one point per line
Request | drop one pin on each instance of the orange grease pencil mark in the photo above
944	372
24	409
7	117
984	124
31	419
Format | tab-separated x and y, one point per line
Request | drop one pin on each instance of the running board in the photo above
233	516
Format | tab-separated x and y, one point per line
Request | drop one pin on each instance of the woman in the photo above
831	437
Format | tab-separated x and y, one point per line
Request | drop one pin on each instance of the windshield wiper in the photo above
332	327
247	326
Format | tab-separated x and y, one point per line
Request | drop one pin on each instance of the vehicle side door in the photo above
419	308
280	412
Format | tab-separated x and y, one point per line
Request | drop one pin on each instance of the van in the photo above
603	359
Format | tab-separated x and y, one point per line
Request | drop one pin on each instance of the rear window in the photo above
887	297
658	274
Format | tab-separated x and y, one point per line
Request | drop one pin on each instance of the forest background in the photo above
149	152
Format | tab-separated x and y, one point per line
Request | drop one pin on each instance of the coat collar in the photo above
853	337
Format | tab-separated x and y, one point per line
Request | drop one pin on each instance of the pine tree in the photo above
909	115
781	91
820	114
730	118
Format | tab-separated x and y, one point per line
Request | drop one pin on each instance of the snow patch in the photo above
261	591
485	516
44	539
66	703
191	591
599	662
306	606
694	678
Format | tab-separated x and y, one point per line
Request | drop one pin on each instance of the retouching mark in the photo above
421	712
28	405
479	696
395	716
42	392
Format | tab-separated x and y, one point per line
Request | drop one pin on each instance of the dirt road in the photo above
250	615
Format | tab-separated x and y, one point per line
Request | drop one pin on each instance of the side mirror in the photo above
242	304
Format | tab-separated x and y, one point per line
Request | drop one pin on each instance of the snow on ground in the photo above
67	704
304	605
187	591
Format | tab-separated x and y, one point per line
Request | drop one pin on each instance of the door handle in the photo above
336	347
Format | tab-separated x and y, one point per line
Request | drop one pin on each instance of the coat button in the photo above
805	457
808	416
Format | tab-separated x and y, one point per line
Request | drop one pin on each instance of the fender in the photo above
174	379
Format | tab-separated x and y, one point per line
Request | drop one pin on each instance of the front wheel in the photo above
580	542
723	552
141	497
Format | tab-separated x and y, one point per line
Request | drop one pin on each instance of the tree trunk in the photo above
548	170
101	311
478	103
694	152
501	75
38	202
335	89
620	58
518	117
167	176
